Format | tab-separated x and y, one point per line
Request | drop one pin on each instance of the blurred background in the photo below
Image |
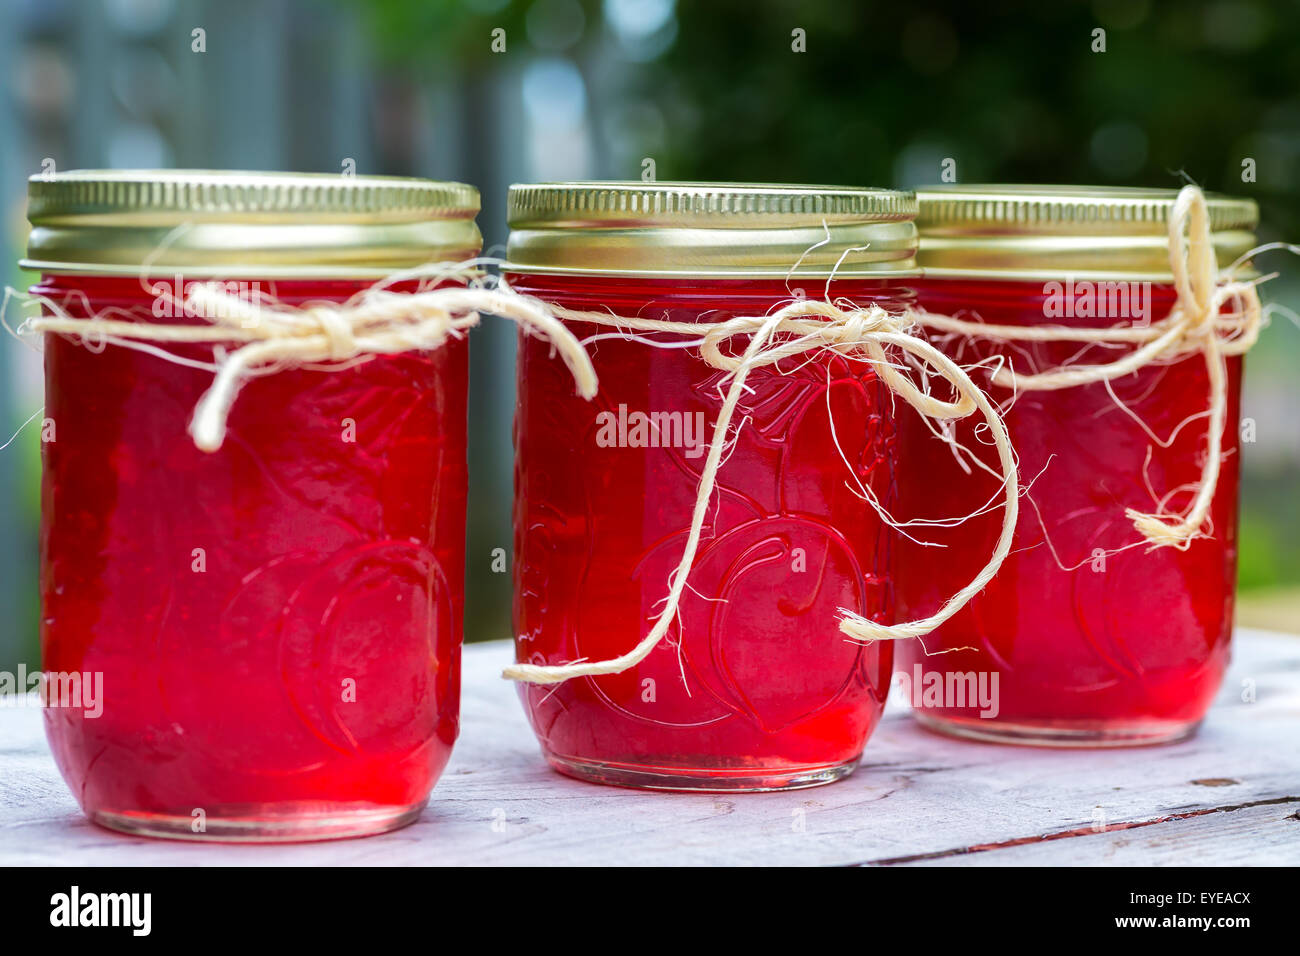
881	95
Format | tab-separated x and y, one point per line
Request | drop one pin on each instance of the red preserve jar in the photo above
1087	636
275	626
754	687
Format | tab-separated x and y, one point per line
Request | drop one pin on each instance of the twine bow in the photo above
1196	323
805	326
268	337
382	322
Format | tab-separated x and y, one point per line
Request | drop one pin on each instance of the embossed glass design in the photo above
755	687
1091	645
277	624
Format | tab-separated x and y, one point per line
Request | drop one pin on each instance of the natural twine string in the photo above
269	337
810	326
1193	325
382	322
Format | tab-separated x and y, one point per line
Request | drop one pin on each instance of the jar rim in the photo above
1035	232
710	230
229	222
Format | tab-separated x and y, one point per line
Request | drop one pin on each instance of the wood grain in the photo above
1229	796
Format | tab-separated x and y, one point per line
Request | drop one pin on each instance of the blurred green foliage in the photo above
1269	555
438	34
1013	91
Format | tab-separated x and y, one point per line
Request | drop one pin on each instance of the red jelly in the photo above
754	686
1085	637
276	624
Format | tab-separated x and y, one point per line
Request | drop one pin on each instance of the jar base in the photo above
720	780
247	825
1081	734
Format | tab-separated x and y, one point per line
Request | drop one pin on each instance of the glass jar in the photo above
276	625
1087	636
754	687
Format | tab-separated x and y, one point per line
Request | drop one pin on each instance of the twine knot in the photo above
855	325
801	327
1214	314
254	337
334	324
1202	295
377	322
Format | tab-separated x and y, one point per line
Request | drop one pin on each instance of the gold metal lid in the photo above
209	223
711	230
1045	232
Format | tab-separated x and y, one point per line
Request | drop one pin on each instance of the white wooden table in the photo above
1231	795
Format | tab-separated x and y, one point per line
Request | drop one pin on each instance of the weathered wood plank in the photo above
919	799
1264	834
